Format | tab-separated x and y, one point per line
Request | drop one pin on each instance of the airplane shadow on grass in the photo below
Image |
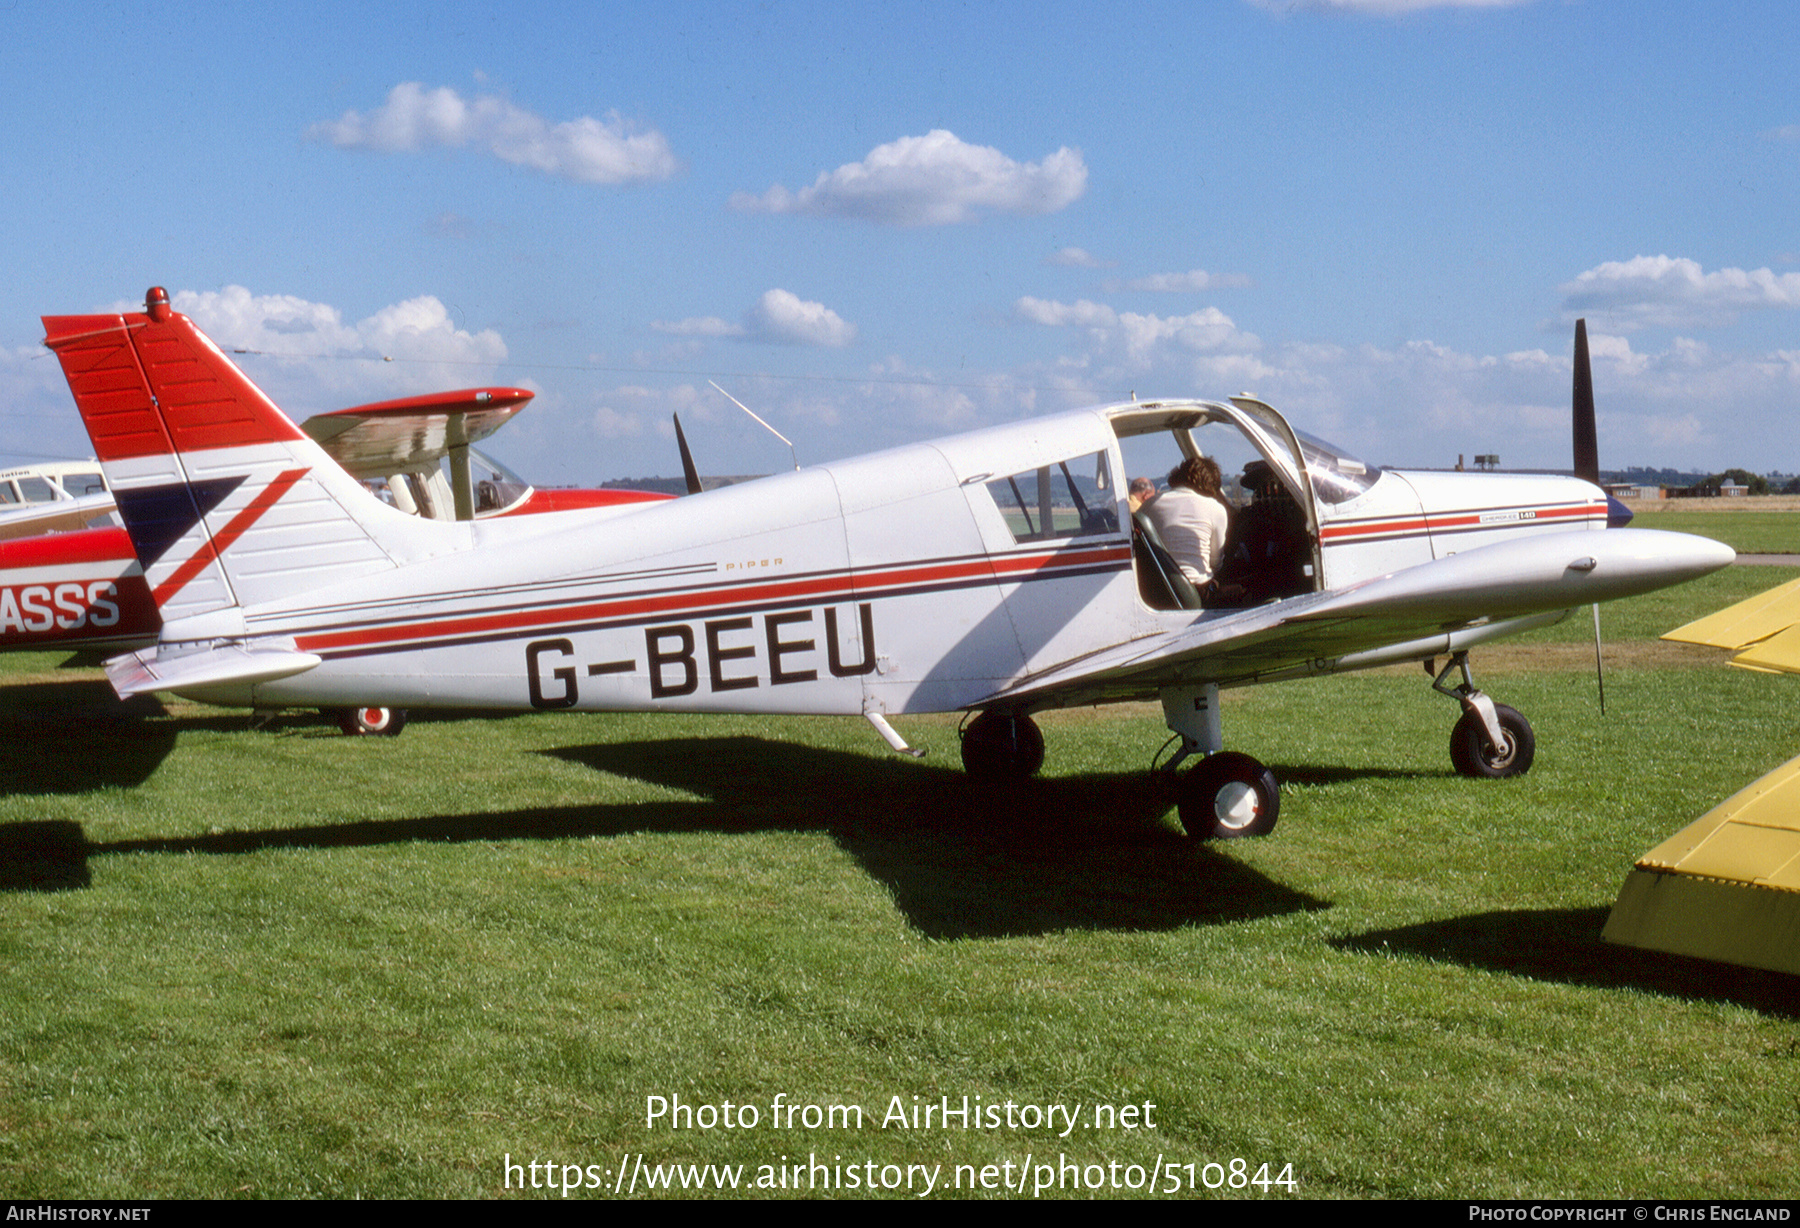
960	860
1563	945
964	859
75	737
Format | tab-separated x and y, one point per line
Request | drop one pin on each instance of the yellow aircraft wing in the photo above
1764	631
1726	887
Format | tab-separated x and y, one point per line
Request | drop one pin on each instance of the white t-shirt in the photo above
1192	526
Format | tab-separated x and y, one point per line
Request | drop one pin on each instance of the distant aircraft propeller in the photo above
687	460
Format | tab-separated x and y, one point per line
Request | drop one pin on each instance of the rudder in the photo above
227	502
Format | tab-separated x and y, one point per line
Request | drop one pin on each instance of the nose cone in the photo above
1617	514
1715	555
1673	558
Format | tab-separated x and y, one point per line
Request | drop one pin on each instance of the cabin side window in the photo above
1070	498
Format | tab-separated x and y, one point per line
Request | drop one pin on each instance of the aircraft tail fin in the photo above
227	502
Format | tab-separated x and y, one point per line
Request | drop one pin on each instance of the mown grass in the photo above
1749	532
274	962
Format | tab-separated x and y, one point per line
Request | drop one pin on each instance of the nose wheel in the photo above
1228	796
1490	741
1473	755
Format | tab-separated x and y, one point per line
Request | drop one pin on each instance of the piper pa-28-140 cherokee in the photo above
994	573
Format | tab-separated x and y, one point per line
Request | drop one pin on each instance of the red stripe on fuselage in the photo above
1443	522
848	585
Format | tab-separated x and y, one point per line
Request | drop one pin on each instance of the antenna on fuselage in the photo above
765	426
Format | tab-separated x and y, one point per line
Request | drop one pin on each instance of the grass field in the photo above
1765	525
279	962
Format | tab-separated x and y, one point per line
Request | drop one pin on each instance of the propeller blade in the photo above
687	460
1587	446
1599	674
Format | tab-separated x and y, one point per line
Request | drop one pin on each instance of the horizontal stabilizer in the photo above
159	669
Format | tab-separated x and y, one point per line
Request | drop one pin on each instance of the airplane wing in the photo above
1436	607
1763	631
412	433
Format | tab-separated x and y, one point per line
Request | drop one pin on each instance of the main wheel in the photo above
1470	753
368	722
1002	746
1227	796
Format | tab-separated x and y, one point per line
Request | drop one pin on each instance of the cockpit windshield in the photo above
1336	476
496	486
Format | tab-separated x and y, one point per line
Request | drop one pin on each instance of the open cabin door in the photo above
1275	515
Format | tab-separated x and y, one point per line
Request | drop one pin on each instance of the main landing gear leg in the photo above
1226	795
1490	740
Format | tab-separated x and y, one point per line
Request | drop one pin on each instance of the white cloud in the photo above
1076	258
1082	312
783	318
1661	291
1206	330
322	362
1195	279
698	326
586	150
931	180
417	329
609	423
779	317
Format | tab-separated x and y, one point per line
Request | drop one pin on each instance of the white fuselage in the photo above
890	583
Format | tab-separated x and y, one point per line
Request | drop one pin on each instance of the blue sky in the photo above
879	223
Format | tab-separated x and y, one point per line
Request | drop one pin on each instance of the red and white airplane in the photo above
994	573
85	589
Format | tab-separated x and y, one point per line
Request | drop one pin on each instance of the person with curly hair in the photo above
1191	518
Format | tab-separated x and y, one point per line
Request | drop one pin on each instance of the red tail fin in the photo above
201	461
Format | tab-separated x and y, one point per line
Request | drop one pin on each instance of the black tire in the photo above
1469	749
1002	746
371	722
1229	796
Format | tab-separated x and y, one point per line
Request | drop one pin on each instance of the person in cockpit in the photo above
1191	518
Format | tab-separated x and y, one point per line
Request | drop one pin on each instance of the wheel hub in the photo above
1236	805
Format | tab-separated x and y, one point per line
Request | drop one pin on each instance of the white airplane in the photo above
993	573
58	497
